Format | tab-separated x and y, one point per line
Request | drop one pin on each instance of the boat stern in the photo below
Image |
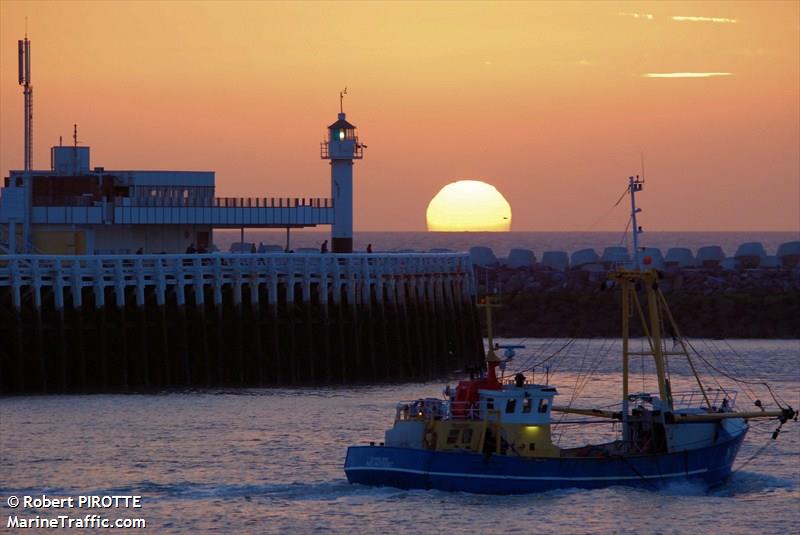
404	468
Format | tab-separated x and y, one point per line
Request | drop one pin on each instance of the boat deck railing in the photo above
437	409
719	399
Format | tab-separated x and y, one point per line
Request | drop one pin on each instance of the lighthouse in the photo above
341	148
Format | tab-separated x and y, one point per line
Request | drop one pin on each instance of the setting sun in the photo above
469	205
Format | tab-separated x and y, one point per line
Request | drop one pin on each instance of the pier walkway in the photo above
356	276
122	322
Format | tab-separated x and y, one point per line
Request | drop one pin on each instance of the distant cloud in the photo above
705	19
685	74
647	16
679	18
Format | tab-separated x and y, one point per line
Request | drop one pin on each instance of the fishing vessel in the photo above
492	435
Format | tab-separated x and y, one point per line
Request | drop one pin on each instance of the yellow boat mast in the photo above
489	302
639	276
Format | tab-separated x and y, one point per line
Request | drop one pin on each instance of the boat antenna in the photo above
635	184
641	154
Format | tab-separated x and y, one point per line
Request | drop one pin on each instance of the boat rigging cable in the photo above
715	352
740	381
744	360
607	212
558	351
581	381
535	354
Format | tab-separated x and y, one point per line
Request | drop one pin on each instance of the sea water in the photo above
270	460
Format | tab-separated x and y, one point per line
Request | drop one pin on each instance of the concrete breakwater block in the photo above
656	259
679	257
770	262
520	258
555	260
614	255
749	254
710	256
482	256
582	257
789	254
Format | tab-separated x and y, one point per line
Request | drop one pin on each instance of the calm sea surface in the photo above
270	460
502	242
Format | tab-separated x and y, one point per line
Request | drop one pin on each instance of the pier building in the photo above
73	208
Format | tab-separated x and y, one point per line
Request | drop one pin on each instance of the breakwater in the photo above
713	302
127	322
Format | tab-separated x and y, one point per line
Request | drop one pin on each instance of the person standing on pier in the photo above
324	247
369	247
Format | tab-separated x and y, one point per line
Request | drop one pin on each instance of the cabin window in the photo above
466	436
527	405
489	403
532	446
543	405
511	406
452	436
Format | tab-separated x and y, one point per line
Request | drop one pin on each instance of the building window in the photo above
511	406
527	405
542	406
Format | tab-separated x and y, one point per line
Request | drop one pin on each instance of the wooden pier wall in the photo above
90	324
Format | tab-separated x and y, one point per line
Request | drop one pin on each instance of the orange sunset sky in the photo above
549	102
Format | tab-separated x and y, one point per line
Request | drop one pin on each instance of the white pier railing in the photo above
434	277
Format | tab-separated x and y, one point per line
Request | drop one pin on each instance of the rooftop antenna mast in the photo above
24	57
341	99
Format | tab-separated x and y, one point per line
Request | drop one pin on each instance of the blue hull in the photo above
408	468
